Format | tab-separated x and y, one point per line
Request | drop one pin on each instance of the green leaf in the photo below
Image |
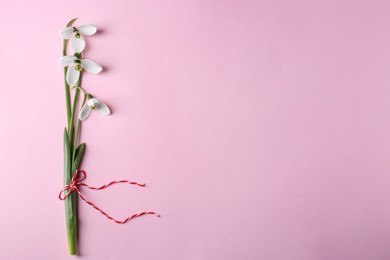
71	200
67	159
79	152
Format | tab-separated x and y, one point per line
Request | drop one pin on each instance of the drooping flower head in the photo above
76	66
93	104
75	34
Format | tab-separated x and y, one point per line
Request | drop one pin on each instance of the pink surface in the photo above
262	129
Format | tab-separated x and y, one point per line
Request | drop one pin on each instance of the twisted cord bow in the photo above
75	182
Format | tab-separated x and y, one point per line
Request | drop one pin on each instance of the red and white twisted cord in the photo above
80	175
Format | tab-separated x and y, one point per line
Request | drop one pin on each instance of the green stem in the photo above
75	100
67	89
74	109
77	133
71	200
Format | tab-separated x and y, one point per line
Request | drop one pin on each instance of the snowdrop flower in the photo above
75	34
93	104
76	66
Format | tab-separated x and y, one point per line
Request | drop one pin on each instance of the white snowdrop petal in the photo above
72	76
78	44
66	32
103	109
92	102
87	29
91	66
67	60
84	112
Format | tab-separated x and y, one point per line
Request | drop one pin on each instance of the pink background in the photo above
262	129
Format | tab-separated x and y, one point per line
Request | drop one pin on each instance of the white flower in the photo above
75	33
77	66
93	104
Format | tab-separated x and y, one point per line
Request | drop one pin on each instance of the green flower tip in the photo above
71	22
